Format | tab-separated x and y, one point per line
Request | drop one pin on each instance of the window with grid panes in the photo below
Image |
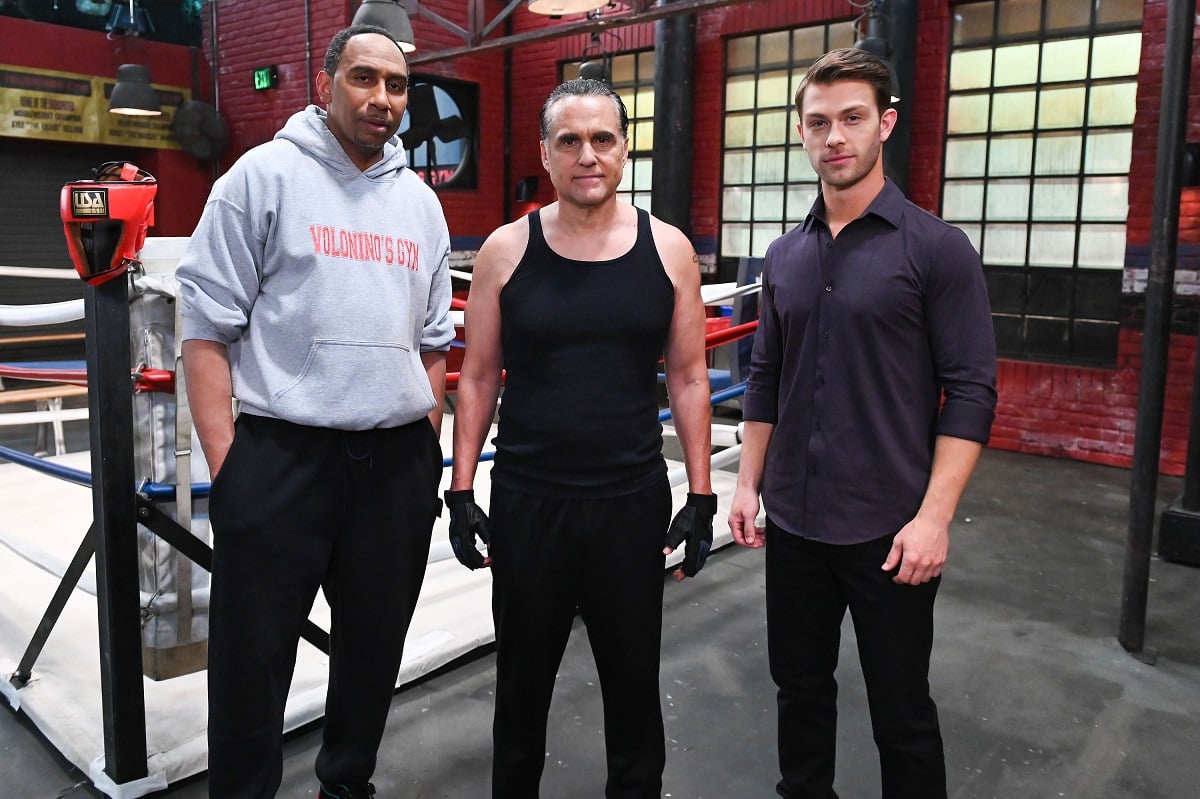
1039	136
767	183
633	79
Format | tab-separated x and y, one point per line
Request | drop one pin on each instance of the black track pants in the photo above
295	509
604	557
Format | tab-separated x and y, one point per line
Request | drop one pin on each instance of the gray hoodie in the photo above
326	282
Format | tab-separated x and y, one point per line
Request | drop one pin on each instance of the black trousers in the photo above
603	557
295	509
809	587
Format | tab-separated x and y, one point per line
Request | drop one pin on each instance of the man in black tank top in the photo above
576	303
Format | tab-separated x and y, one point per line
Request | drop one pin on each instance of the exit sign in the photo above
266	78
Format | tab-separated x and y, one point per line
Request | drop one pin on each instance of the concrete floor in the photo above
1037	698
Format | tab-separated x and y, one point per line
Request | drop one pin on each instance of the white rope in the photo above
39	272
54	313
461	275
43	417
723	435
719	293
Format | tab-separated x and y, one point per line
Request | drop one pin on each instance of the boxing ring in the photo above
73	621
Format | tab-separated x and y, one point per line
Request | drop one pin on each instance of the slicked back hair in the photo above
848	63
584	87
337	45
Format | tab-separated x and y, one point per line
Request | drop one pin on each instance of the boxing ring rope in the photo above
49	314
38	272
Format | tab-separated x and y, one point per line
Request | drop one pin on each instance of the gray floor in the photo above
1037	698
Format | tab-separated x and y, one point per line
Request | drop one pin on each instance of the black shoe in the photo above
342	792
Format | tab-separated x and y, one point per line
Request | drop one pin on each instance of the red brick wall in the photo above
1091	414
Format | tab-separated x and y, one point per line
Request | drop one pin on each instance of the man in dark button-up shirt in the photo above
871	393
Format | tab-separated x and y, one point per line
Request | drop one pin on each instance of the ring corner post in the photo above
115	518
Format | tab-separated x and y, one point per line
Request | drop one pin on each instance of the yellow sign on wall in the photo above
64	106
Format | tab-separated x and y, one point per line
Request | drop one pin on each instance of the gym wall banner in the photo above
65	106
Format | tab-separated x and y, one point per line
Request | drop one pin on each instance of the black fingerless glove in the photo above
694	524
467	520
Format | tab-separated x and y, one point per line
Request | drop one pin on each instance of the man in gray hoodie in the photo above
315	291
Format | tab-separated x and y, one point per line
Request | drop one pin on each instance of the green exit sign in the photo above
266	78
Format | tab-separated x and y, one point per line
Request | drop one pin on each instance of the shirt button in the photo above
825	334
829	288
816	425
820	381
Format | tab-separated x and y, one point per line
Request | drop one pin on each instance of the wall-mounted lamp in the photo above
599	61
594	70
558	8
389	15
526	189
133	95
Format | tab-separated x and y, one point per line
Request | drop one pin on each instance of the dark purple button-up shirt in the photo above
869	346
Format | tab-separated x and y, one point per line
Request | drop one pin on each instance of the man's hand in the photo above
920	550
743	512
467	520
693	524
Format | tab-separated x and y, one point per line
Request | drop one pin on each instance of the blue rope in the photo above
46	467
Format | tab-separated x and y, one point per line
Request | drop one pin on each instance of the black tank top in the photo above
581	343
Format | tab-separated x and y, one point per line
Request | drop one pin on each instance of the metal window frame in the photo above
792	66
1074	354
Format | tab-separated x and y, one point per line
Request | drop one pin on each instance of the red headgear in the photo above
105	219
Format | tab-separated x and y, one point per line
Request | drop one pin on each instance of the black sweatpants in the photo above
809	587
295	509
604	557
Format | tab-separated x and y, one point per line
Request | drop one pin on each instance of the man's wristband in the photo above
704	502
454	497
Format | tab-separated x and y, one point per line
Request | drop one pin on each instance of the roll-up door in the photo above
32	174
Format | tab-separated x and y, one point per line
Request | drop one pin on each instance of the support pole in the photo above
114	512
66	586
902	25
1160	290
674	79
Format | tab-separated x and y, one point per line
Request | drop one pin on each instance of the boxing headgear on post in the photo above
105	220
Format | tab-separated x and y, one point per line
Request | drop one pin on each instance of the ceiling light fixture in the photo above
560	8
392	17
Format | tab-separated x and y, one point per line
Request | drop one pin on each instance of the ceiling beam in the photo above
639	11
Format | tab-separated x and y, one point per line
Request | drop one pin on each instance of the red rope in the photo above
74	377
729	334
144	379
